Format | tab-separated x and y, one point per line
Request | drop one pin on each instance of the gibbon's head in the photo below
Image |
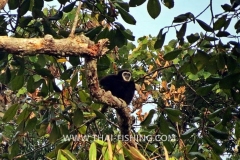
126	75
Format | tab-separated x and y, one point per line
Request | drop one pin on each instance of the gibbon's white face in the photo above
126	76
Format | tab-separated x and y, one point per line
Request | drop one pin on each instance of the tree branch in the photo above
98	94
75	20
76	46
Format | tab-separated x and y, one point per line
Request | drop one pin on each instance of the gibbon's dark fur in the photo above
120	85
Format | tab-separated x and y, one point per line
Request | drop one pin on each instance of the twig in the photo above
158	69
189	20
190	86
75	20
211	9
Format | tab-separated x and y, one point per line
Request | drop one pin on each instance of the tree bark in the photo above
77	46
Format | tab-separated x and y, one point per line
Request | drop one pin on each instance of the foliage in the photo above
192	82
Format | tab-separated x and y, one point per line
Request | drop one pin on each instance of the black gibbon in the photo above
120	85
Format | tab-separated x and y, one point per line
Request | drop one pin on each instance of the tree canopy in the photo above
51	60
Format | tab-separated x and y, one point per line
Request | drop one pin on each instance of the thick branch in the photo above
125	119
76	46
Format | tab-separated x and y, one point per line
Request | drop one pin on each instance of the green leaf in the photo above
13	4
227	23
56	17
55	133
69	7
24	21
208	38
237	24
204	90
134	3
193	68
215	113
229	81
44	72
194	146
102	34
41	129
220	22
206	27
182	31
83	130
163	125
201	57
78	117
99	114
74	81
185	67
160	39
180	18
231	63
125	15
100	7
172	55
215	146
39	4
193	38
221	61
62	1
74	60
223	34
17	82
103	63
120	39
211	66
127	35
38	83
84	96
60	156
124	5
189	133
67	74
173	114
218	134
24	7
235	95
10	113
68	154
44	90
64	129
227	115
23	116
227	7
30	85
237	129
197	155
148	119
14	149
168	3
93	32
31	124
37	13
168	145
153	8
93	151
7	76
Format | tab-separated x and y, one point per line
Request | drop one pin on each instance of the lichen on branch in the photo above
76	46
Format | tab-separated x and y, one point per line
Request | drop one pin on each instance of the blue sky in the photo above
147	26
